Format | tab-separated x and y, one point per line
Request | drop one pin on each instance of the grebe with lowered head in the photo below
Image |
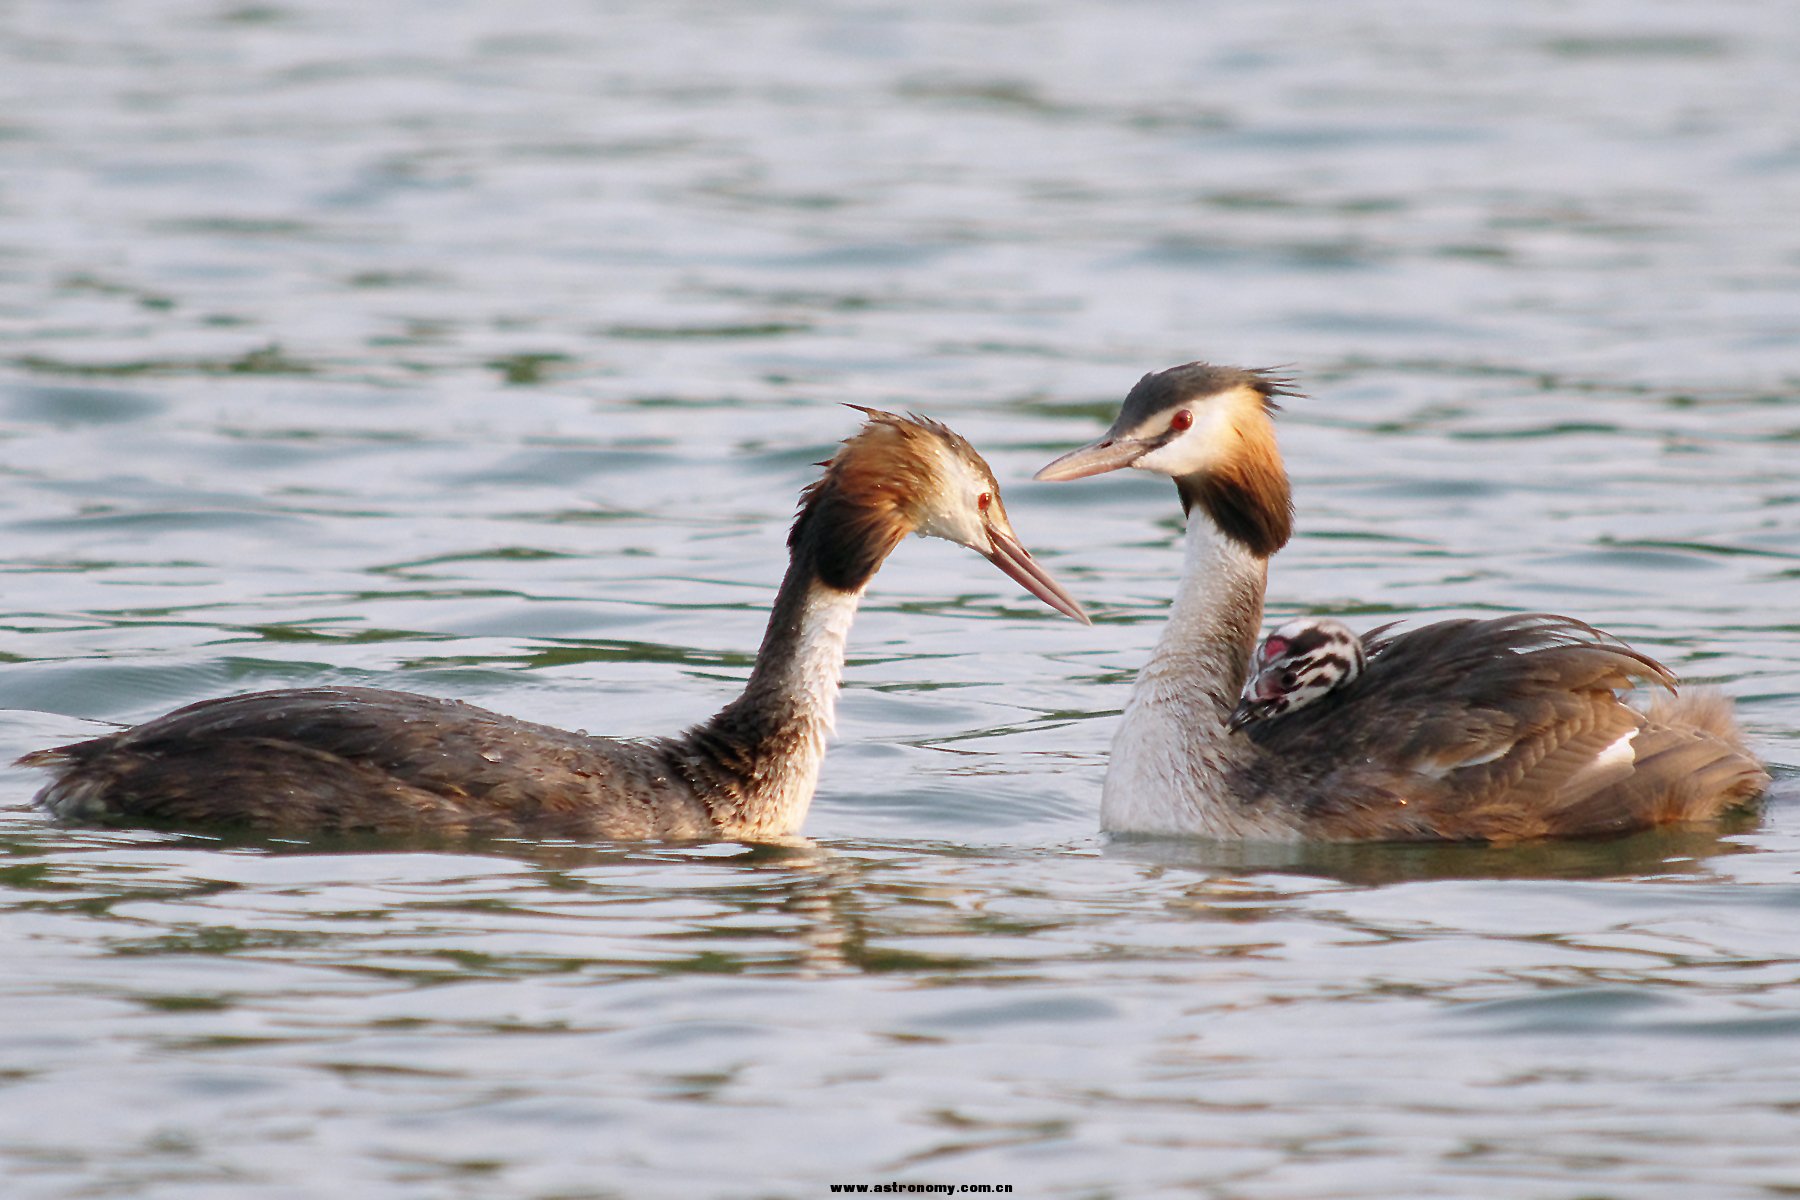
1492	730
367	760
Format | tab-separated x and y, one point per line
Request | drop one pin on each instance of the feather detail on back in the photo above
1500	730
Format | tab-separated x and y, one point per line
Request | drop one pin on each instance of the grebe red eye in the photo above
1183	419
982	501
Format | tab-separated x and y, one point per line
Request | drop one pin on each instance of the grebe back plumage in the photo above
1492	730
365	759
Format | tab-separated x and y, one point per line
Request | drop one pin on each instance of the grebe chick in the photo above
1301	662
1492	730
362	759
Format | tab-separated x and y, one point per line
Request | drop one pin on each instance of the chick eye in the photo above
1183	419
982	501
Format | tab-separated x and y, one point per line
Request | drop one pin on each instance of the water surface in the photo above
481	350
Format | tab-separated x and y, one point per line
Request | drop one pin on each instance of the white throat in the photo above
759	756
817	669
805	693
1172	750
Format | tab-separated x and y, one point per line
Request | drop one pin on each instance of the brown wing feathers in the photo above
1505	729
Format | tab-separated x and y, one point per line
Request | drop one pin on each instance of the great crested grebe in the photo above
1299	663
362	759
1490	730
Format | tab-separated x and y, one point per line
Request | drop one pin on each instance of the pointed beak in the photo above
1247	710
1262	688
1023	570
1108	454
1261	698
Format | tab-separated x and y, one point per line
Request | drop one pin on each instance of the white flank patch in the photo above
1619	753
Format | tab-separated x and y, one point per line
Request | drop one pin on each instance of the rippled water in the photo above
481	350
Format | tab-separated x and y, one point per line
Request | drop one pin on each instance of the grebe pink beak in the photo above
1016	561
1108	454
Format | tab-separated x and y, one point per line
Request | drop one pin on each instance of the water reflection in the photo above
1662	853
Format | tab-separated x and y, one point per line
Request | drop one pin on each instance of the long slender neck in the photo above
756	762
1173	751
1240	512
1205	651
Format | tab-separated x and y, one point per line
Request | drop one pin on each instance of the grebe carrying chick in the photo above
1483	730
345	759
